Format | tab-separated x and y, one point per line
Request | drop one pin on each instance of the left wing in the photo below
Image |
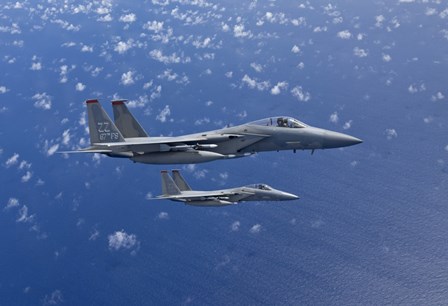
207	196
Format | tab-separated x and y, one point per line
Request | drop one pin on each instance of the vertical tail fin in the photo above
125	121
180	181
169	187
101	127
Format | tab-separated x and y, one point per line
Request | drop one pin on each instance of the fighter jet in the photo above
175	188
126	138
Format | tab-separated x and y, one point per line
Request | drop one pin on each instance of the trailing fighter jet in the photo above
126	138
177	189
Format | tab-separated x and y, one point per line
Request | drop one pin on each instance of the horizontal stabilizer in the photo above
85	151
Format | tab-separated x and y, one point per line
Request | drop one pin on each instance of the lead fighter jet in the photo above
126	138
177	189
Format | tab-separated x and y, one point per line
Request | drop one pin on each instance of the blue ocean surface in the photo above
370	227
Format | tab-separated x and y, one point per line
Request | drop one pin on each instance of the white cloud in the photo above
295	49
256	67
86	48
359	52
200	174
23	215
13	29
94	235
278	88
225	27
300	94
128	18
334	118
12	202
235	226
157	55
127	78
437	96
105	18
387	58
253	83
414	88
24	165
391	133
202	44
122	240
155	26
164	113
255	229
347	125
43	101
3	89
122	46
12	160
163	216
238	31
379	21
54	298
66	137
51	150
80	86
36	66
344	34
26	177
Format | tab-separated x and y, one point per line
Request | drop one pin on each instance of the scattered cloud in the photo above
43	101
26	177
344	34
438	96
254	84
391	133
300	94
127	78
122	240
347	125
256	67
415	88
334	118
24	217
163	216
128	18
12	160
12	202
80	86
164	113
36	66
123	46
279	87
359	52
158	55
387	58
54	298
239	31
235	226
295	49
255	229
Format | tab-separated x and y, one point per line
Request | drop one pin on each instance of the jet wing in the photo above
206	196
163	144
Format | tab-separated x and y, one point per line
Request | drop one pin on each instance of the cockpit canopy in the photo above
260	186
286	122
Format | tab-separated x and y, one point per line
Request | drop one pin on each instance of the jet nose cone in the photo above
337	140
289	196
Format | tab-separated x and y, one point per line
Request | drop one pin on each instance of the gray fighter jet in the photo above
177	189
126	138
